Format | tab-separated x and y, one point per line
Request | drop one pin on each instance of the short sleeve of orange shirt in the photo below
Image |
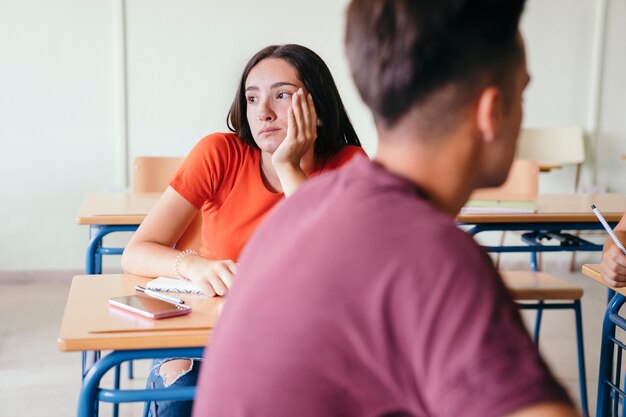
222	178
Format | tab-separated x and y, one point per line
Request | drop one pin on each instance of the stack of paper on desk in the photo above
172	285
517	194
500	206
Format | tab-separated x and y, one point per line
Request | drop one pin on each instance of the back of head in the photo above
435	55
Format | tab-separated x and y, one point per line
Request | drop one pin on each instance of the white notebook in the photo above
499	206
173	285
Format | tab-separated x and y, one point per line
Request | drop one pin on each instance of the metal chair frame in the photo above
92	394
611	394
533	239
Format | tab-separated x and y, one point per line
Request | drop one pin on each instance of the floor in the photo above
38	380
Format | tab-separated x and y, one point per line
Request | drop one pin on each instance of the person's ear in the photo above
489	112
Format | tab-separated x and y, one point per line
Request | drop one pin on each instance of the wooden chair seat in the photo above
530	289
529	285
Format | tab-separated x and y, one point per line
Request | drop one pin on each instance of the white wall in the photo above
59	101
185	62
612	138
560	48
55	126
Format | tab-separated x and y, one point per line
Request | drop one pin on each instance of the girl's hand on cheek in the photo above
301	131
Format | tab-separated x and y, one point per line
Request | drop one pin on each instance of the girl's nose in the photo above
266	113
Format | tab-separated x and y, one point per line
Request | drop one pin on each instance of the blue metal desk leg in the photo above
533	261
607	348
95	249
93	265
90	358
533	266
116	385
582	373
609	294
538	322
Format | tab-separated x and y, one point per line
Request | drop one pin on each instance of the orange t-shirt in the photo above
222	177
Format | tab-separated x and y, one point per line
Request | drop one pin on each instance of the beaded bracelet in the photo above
179	258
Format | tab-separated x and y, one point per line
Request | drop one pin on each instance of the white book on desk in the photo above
173	285
500	206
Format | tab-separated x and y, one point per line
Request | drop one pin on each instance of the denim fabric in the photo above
172	408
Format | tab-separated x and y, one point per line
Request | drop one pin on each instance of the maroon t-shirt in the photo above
357	297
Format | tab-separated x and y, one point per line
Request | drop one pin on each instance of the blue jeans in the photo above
172	408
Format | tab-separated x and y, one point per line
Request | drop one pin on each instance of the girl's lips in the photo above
268	130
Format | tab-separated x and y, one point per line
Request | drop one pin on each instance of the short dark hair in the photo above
334	129
401	52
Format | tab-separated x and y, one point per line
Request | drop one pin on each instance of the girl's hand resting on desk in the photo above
214	277
301	132
613	268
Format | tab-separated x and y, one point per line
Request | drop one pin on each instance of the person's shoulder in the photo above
444	233
439	239
351	150
364	180
348	152
222	140
342	156
222	146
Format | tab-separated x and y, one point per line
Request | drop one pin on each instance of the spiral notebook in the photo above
173	285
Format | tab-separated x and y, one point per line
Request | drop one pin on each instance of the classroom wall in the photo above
62	118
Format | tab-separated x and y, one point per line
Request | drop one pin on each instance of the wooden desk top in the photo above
593	271
570	208
131	208
116	208
89	323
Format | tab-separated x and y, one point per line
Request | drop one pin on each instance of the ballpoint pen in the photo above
608	228
159	296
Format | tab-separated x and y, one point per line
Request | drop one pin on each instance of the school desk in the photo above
555	214
611	394
89	323
107	213
593	271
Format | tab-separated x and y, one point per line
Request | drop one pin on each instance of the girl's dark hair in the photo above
335	129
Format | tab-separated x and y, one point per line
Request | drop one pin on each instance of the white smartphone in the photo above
149	306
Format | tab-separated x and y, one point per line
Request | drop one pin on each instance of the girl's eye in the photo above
251	99
282	95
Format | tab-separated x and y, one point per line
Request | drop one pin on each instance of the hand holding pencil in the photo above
613	269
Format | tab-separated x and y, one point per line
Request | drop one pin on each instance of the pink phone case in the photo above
149	306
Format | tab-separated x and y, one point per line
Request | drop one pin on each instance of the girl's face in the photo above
269	87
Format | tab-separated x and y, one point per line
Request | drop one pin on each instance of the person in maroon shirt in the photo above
359	296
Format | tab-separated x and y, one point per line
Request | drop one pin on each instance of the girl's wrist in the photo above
288	169
181	263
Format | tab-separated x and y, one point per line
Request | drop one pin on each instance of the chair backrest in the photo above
521	184
153	173
554	146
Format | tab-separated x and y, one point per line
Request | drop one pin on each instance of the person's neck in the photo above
442	168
